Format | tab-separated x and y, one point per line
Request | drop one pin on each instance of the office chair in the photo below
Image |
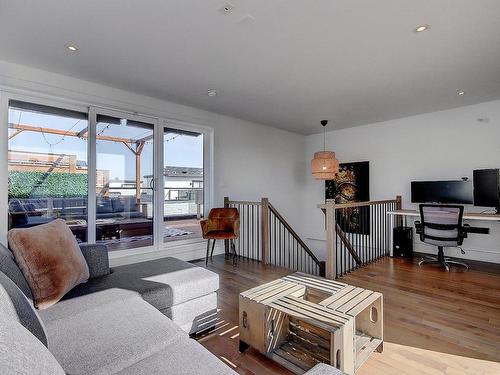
441	225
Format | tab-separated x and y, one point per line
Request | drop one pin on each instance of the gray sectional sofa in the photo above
116	323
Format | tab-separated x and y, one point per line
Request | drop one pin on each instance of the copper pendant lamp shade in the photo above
325	165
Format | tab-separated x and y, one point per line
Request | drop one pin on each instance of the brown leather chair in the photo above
221	224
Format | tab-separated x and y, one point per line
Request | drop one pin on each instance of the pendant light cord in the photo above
324	137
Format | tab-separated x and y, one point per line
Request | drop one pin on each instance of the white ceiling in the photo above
285	63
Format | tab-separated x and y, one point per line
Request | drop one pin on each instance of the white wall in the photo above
440	145
250	160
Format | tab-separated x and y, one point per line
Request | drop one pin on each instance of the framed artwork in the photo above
352	184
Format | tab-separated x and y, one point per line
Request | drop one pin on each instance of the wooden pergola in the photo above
134	145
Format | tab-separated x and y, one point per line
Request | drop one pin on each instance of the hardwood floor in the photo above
434	322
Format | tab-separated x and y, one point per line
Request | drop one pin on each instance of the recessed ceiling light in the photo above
212	92
461	93
421	28
71	47
226	8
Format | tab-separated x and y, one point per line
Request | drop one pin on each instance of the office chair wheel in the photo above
446	263
428	259
457	263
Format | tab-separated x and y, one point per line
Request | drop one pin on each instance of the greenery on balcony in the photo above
24	184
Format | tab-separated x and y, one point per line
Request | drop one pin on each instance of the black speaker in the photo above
403	242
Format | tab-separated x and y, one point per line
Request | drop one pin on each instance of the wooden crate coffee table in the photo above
301	320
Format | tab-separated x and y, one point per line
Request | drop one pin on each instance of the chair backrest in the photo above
441	224
224	213
224	219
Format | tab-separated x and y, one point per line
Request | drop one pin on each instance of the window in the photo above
47	166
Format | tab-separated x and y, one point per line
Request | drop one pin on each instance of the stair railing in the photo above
267	237
357	234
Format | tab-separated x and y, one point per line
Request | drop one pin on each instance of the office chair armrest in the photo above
418	227
464	230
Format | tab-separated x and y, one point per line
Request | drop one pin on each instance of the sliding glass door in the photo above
124	191
119	179
183	182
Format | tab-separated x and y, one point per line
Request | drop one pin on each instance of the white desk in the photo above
415	213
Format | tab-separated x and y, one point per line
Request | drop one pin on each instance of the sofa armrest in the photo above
324	369
97	259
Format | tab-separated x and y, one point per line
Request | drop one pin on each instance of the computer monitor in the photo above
457	192
487	188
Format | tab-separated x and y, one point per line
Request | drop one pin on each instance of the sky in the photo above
179	150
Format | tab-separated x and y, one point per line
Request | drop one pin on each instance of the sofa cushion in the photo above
324	369
9	267
195	315
97	259
104	338
15	306
50	259
183	357
162	282
22	353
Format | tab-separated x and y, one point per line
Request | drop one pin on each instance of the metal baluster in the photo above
241	231
336	257
275	241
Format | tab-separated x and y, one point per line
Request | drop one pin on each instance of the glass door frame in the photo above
92	166
208	199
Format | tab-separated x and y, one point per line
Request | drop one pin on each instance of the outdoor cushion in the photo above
17	213
161	282
183	357
109	336
15	306
22	353
33	221
50	259
118	205
104	205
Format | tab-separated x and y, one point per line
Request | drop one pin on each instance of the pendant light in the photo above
324	166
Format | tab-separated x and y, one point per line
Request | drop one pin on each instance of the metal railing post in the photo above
226	242
265	229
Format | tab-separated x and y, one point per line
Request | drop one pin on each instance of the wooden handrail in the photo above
293	233
358	204
244	202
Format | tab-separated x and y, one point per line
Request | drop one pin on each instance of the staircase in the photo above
357	234
265	236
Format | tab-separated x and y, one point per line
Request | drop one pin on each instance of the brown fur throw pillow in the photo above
50	259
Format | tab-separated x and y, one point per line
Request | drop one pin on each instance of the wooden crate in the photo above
311	334
366	308
279	321
301	320
255	315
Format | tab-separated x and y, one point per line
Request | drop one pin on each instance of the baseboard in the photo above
189	250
